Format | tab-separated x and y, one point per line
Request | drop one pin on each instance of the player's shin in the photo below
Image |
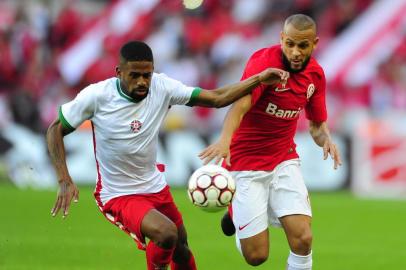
299	262
188	264
158	258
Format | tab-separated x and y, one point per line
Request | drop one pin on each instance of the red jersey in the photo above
265	135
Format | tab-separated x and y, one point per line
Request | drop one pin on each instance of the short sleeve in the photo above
179	93
82	108
316	109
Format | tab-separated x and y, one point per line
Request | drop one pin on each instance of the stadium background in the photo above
49	50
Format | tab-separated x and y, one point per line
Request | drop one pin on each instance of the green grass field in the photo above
349	234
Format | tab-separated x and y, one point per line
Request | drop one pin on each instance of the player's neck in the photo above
124	88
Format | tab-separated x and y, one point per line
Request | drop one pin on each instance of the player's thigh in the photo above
289	195
158	227
127	213
167	207
165	218
250	203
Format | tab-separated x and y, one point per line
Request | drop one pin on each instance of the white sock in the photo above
298	262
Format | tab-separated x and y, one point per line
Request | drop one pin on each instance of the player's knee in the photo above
256	257
167	235
303	243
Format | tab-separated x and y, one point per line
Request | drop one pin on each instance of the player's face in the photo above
297	46
135	77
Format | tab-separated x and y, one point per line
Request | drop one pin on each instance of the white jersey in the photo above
125	132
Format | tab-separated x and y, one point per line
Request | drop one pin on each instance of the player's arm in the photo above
321	136
221	148
226	95
67	189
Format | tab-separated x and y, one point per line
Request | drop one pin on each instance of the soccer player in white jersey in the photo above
126	113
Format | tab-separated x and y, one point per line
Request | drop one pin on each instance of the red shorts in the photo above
127	212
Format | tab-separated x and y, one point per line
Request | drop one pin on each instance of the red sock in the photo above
158	258
189	265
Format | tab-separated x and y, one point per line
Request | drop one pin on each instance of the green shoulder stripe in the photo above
64	123
193	97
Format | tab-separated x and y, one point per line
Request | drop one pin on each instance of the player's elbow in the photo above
51	130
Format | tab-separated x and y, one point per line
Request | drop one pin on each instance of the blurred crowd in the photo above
205	47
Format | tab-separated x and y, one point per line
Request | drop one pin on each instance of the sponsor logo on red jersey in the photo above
274	110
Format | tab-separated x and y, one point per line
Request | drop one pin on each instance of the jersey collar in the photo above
121	92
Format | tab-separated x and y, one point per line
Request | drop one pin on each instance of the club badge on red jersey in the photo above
310	91
135	126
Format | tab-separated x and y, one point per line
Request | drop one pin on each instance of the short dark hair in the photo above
136	51
300	22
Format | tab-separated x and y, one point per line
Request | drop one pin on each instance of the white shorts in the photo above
262	197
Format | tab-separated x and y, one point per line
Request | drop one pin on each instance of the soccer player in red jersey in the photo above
126	112
257	142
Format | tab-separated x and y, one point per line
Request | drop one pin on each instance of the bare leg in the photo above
182	256
298	232
163	236
255	249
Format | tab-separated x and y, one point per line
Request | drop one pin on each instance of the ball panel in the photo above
192	184
198	197
212	193
225	197
220	181
231	184
203	181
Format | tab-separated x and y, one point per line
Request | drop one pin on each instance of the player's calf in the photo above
182	258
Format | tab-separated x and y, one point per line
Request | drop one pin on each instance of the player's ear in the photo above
118	71
281	38
315	42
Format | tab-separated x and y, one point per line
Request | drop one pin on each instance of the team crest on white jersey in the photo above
135	126
310	91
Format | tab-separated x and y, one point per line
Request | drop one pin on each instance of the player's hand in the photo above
217	151
272	76
330	148
66	192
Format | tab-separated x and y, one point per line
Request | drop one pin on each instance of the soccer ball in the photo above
211	188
